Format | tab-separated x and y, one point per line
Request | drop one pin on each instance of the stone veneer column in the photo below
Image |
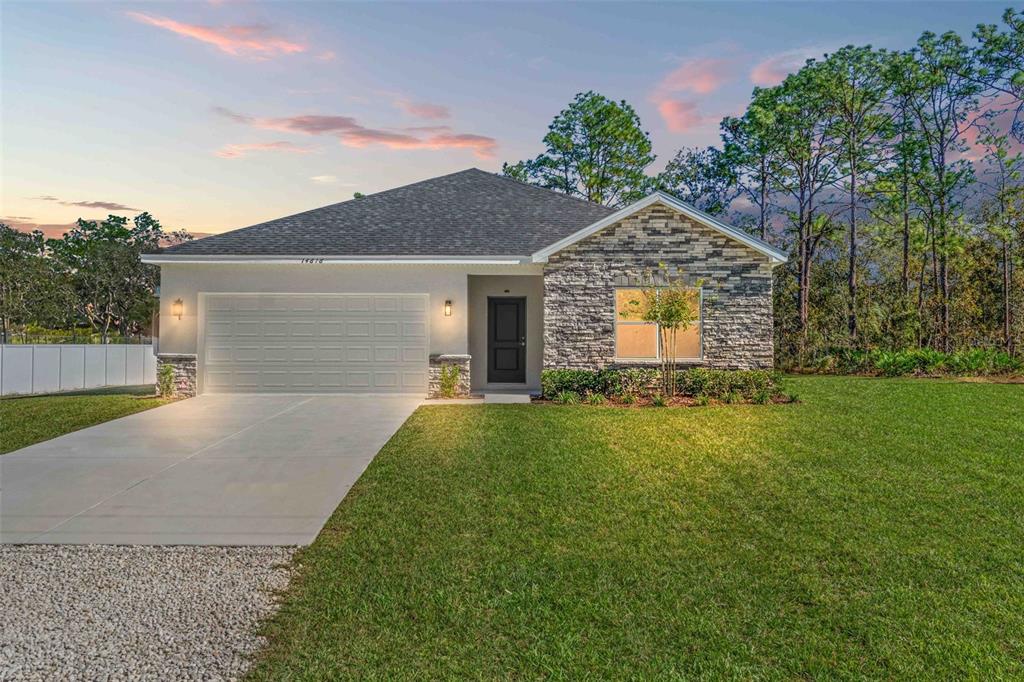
185	369
434	374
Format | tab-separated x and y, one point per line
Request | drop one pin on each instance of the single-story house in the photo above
472	269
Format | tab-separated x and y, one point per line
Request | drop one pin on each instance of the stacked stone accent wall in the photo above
434	374
185	369
580	282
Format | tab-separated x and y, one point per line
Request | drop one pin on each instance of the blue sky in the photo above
217	115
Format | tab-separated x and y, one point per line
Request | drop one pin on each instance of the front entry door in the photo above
506	340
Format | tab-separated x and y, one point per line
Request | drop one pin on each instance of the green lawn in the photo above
874	530
24	421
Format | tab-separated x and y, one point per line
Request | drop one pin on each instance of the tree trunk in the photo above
764	200
1007	326
944	272
905	272
852	277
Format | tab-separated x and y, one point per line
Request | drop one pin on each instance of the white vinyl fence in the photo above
64	367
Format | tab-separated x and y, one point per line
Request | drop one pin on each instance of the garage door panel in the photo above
321	343
385	304
414	330
414	354
357	304
388	328
355	328
331	328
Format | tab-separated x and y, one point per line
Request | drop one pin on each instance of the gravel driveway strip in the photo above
141	613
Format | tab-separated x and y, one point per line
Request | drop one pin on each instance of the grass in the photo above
32	419
872	530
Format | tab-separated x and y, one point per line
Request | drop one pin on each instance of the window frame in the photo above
658	356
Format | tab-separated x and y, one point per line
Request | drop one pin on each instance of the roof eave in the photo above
238	259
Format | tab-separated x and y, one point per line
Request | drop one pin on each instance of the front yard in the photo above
31	419
873	530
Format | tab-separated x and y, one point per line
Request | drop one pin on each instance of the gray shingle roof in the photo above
469	213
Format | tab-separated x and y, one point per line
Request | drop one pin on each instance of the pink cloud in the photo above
995	113
237	151
774	69
353	134
326	56
239	41
702	75
424	109
680	116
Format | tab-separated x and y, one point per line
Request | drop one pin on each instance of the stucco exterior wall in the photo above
580	282
448	335
530	287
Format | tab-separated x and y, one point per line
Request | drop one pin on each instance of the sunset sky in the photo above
218	115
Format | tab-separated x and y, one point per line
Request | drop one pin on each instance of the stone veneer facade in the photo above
580	282
185	369
434	374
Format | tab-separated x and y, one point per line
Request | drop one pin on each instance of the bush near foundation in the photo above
732	386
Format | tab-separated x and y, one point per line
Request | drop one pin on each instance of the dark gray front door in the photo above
506	340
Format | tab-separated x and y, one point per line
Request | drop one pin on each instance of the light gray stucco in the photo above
212	470
530	287
448	334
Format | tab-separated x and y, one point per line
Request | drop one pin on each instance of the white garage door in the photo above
322	343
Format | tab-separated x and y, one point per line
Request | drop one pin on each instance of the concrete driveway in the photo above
212	470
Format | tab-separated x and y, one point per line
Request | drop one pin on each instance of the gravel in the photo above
140	613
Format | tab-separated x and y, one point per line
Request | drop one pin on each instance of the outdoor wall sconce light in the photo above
177	308
448	308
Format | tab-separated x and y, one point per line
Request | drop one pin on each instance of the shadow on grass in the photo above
142	390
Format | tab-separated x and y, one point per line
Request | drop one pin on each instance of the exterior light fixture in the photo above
177	308
448	308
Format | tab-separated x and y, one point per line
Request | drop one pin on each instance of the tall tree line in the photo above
892	178
93	277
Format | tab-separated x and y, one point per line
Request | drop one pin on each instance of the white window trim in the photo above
657	359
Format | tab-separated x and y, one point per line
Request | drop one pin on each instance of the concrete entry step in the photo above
506	397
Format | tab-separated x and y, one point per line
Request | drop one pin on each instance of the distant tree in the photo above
1002	177
32	290
852	82
796	119
595	150
943	99
1000	65
701	177
113	287
749	151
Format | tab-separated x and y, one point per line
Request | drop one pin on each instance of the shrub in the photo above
658	400
596	399
165	380
918	361
762	397
579	381
449	380
720	383
703	399
567	398
641	382
638	381
628	399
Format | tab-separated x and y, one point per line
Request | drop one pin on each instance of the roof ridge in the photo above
588	202
320	208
